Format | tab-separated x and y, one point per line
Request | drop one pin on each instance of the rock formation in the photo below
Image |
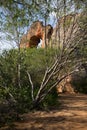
66	86
65	30
36	33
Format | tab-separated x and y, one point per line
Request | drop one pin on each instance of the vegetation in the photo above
81	84
32	61
28	77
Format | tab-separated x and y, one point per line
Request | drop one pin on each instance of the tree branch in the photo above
32	86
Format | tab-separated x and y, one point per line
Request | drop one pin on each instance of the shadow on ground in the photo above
72	115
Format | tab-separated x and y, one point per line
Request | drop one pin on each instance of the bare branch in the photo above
57	82
32	86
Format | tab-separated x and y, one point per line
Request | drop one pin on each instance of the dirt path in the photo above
72	115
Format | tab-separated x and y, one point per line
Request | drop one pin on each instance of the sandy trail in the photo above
72	115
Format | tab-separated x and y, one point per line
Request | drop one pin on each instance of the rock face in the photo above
73	83
65	86
36	33
65	30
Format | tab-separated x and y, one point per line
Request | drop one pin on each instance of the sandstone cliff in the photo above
36	33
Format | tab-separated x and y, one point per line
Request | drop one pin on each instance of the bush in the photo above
80	82
35	61
51	100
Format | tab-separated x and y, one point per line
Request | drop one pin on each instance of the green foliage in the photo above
80	51
51	100
23	98
81	85
80	4
79	81
3	94
35	61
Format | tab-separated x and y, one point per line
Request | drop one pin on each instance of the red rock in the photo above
36	32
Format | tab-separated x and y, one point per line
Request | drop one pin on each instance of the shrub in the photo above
35	61
80	82
51	100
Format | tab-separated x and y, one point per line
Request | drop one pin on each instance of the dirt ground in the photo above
72	115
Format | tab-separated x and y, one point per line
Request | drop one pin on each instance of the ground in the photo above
72	115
